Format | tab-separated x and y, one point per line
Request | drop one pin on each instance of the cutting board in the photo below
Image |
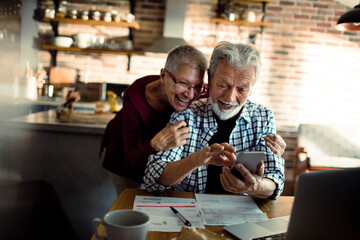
79	117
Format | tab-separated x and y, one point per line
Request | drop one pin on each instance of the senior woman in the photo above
141	127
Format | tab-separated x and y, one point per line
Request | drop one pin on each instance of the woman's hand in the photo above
276	144
170	137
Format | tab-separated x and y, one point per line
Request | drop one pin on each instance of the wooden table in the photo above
281	207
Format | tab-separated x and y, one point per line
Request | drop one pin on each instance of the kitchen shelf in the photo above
254	1
89	50
134	25
261	24
241	23
54	22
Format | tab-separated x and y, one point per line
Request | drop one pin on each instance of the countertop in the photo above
47	121
56	101
53	102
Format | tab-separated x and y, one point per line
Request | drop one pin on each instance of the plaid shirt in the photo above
252	125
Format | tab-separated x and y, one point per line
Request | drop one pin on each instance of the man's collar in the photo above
245	112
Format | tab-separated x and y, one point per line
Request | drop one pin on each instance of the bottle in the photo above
61	11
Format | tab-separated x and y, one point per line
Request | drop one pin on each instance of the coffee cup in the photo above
123	224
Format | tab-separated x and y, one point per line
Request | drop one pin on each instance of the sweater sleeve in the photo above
136	146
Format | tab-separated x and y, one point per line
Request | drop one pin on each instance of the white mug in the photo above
123	224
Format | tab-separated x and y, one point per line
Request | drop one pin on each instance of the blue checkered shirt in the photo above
252	125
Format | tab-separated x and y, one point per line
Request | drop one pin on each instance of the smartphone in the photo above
249	159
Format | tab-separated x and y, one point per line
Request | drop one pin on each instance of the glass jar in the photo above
96	15
73	14
107	16
61	12
50	13
85	15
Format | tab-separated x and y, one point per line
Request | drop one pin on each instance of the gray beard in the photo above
224	114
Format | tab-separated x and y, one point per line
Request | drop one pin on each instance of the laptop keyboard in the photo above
279	236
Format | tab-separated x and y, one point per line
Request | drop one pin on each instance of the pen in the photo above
182	218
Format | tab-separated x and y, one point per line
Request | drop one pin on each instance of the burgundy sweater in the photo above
127	136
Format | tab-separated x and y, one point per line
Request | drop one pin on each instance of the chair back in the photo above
32	210
330	146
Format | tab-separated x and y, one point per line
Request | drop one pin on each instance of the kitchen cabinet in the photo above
242	22
53	49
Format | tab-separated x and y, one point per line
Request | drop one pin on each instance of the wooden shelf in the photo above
134	25
55	22
90	50
241	23
254	1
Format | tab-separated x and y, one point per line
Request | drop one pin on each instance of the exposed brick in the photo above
308	11
288	46
337	7
333	19
315	42
317	30
325	25
287	3
318	5
339	14
351	33
301	16
303	4
292	10
274	9
308	23
282	52
336	32
355	40
325	11
318	18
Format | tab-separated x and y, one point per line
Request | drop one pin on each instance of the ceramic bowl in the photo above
63	41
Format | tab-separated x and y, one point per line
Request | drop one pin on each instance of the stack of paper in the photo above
162	219
228	209
205	210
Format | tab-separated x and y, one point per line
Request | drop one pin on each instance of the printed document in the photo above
162	219
228	209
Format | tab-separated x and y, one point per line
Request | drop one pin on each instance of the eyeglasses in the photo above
183	86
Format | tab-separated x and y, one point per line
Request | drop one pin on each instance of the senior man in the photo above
220	127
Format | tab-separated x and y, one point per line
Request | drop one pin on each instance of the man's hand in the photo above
276	144
170	137
217	154
253	184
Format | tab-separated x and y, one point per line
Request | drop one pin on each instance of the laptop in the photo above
326	206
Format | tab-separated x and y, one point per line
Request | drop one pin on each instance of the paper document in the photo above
162	218
228	209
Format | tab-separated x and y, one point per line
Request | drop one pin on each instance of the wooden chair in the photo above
32	210
326	147
302	164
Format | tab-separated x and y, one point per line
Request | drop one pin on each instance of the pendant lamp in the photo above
349	21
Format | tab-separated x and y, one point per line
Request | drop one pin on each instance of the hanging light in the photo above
349	21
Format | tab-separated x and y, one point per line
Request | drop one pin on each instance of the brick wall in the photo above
310	70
